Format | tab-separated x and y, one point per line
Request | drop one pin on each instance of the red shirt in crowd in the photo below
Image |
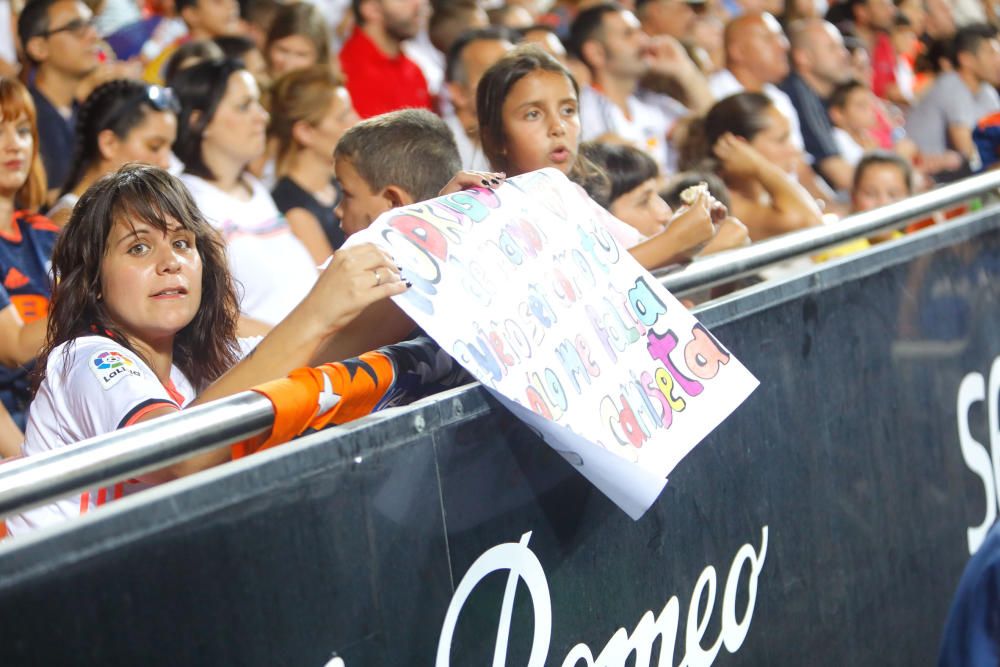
883	57
378	83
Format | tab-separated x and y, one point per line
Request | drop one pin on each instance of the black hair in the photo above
969	39
838	98
181	5
33	21
626	168
234	46
200	88
197	50
588	25
119	105
876	158
743	114
454	70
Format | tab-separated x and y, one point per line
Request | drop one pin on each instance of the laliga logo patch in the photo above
111	359
111	366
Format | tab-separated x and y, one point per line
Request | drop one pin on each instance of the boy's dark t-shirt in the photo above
56	136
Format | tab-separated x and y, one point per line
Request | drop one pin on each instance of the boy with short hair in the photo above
852	111
392	160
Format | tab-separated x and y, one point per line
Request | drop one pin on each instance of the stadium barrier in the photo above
826	522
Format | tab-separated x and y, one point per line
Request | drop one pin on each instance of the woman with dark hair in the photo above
143	323
120	121
26	241
745	139
528	119
221	130
310	110
298	38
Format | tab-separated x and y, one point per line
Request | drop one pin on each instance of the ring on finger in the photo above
378	278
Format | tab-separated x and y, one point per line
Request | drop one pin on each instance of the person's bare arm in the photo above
837	171
791	206
666	56
960	138
10	435
19	342
686	234
731	234
307	229
343	291
382	323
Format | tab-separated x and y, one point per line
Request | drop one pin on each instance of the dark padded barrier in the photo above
836	501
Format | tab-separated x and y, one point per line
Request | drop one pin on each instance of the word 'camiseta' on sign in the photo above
529	290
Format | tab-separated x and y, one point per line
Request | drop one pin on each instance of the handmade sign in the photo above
527	289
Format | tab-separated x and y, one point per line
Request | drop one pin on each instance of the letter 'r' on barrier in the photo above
522	564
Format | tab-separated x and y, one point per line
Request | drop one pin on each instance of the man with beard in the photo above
608	39
819	62
380	78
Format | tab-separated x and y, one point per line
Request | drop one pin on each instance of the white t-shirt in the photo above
850	150
723	84
265	257
646	126
95	388
473	158
98	388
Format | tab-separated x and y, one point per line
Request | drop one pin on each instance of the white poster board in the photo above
527	289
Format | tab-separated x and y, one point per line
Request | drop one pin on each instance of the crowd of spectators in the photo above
294	124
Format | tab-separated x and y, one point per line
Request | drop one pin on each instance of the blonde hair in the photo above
301	95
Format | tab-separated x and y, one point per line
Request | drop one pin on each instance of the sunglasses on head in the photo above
162	99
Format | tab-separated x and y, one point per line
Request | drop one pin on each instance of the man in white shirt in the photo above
756	61
608	39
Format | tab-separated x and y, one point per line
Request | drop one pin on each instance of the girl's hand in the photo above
738	157
465	180
692	225
355	278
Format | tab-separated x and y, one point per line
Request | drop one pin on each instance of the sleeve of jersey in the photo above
4	298
109	388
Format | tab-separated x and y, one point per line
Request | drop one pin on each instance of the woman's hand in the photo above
738	157
355	278
465	180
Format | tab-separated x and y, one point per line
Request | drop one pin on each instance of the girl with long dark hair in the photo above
528	106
